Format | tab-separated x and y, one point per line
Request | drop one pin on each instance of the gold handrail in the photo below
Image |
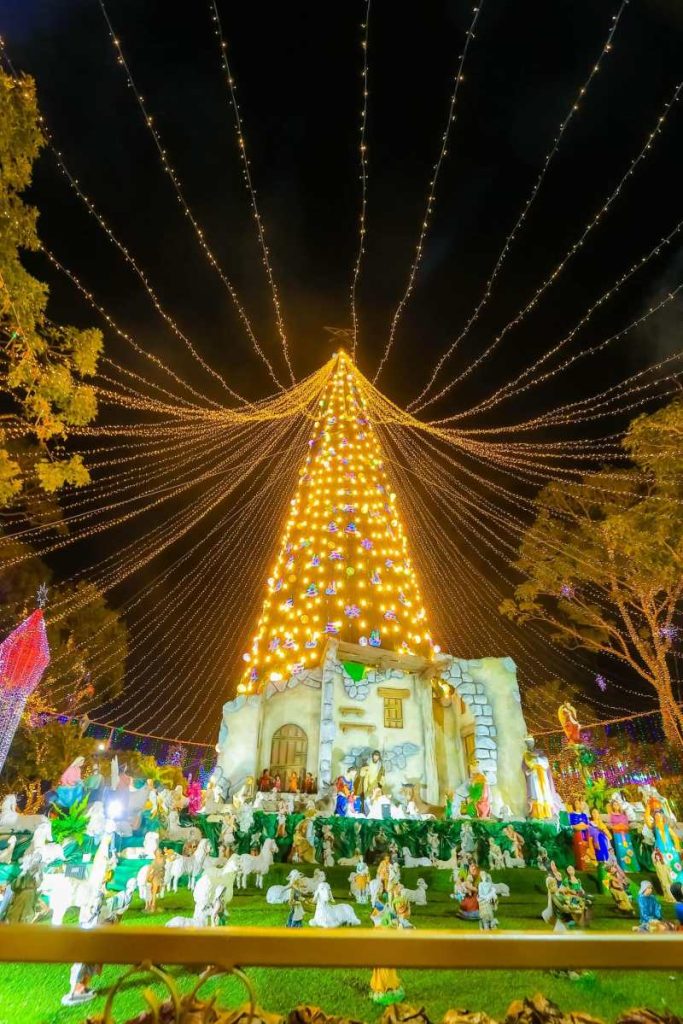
280	947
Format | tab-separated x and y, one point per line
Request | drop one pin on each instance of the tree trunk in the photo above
672	729
672	716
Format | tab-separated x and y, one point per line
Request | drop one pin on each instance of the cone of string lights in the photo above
343	568
24	656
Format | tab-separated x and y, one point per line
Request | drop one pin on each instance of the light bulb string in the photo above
246	171
170	636
225	523
509	241
576	246
180	195
521	384
431	196
363	149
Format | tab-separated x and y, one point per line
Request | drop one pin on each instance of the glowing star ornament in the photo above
344	507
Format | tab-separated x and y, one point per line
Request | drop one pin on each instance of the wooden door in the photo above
288	753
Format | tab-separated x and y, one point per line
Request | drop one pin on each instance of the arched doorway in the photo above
288	753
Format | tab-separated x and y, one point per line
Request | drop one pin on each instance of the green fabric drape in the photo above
375	837
371	838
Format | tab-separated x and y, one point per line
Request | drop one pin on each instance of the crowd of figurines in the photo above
135	835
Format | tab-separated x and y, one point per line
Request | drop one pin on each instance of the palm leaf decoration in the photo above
72	824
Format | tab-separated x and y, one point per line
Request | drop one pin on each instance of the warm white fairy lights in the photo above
521	382
206	457
431	195
202	490
74	184
363	150
509	241
180	195
158	363
132	262
576	246
246	172
343	568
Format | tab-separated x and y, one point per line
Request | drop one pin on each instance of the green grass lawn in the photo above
30	993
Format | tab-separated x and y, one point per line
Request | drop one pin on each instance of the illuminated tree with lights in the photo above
343	568
603	561
45	366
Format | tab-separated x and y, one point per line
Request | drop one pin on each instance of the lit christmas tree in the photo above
343	568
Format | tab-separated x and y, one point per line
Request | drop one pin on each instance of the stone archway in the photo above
474	695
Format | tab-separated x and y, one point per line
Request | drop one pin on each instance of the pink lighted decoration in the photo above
24	656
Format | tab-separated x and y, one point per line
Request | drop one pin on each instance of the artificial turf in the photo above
31	993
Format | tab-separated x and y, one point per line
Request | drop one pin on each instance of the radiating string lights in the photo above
520	382
363	151
576	246
509	241
122	249
327	489
431	195
246	172
180	195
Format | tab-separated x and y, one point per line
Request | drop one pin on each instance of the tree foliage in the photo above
43	751
603	560
45	366
545	698
88	640
144	766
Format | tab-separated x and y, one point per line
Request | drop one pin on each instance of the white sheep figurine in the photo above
418	896
415	862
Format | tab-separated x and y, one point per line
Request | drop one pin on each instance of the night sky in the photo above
297	67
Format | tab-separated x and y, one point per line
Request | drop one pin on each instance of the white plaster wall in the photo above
450	753
380	737
488	686
298	706
498	676
239	739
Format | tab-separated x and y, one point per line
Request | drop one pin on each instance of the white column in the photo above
431	775
327	726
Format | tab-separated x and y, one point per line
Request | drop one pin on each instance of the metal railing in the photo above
233	948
